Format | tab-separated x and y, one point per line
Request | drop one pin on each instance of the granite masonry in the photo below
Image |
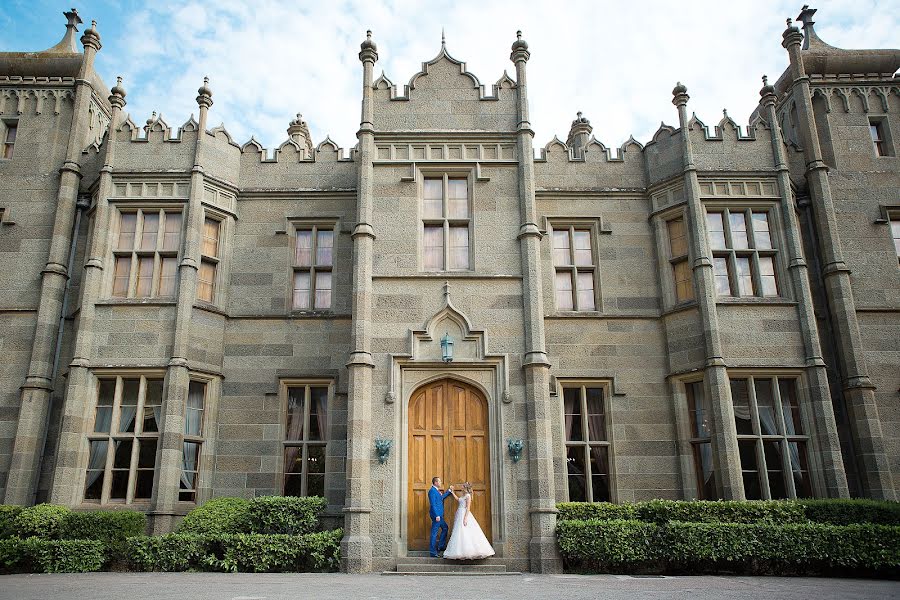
712	314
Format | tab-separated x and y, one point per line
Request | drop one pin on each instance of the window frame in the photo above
113	435
592	227
285	386
445	221
8	150
199	438
695	441
782	437
893	222
158	254
731	254
215	261
883	145
676	261
586	443
313	269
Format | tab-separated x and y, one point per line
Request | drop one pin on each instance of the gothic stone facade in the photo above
713	314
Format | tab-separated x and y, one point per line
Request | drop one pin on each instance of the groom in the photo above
436	511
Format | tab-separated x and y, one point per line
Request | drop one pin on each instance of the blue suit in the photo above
435	510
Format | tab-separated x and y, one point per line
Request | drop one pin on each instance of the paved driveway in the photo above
245	586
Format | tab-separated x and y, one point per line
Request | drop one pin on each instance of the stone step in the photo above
448	567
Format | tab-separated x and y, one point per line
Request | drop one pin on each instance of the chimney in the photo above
579	134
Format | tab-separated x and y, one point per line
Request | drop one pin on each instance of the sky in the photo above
617	62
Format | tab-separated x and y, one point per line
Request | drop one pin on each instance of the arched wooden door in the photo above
448	438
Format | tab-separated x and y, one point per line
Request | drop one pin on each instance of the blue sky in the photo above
617	62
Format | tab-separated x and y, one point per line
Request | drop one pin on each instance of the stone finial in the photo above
368	50
150	122
519	49
767	89
680	95
806	15
724	113
204	90
519	44
791	34
204	95
117	93
443	39
91	37
73	19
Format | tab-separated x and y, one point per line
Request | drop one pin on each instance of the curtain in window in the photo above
97	462
188	465
194	413
294	426
572	409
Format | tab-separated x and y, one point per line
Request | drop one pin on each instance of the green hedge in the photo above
848	512
109	526
759	548
8	514
833	512
35	555
266	515
284	514
216	516
242	552
44	521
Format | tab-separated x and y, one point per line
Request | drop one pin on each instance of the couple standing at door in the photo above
467	541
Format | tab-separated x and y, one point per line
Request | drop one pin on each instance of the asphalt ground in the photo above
278	586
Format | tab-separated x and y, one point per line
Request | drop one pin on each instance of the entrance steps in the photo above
426	565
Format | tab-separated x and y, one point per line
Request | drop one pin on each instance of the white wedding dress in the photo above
467	542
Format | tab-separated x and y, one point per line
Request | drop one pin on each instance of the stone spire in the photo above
579	134
67	44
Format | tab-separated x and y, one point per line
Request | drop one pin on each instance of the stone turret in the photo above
579	134
298	131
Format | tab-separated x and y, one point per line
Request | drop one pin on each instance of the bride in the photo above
467	541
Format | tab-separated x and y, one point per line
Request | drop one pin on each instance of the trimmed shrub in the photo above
170	552
8	514
719	511
276	553
848	512
35	555
112	526
44	521
216	516
604	511
833	512
675	547
608	544
242	552
284	514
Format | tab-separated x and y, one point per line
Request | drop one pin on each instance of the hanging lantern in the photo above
447	348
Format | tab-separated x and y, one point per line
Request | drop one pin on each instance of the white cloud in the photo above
615	61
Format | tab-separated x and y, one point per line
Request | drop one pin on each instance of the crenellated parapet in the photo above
595	166
444	95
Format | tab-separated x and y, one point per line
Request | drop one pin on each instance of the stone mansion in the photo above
712	314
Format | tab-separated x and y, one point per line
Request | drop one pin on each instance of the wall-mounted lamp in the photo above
447	348
383	449
515	449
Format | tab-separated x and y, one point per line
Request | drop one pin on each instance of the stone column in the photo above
542	550
32	423
67	478
356	547
726	459
822	410
858	390
169	460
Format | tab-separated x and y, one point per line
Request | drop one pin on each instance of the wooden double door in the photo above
448	438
